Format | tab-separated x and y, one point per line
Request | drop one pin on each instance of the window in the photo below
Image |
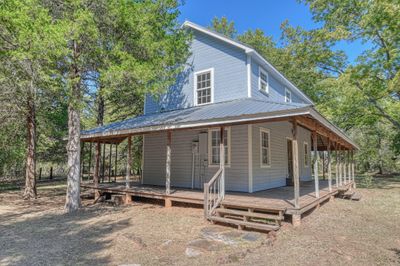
306	155
265	151
204	87
263	81
214	136
288	96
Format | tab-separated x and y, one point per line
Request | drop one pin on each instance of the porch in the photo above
275	200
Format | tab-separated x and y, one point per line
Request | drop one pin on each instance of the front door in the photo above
289	178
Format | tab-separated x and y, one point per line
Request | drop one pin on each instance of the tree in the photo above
26	36
223	26
125	47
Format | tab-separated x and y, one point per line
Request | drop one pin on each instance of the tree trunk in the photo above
30	178
100	109
73	200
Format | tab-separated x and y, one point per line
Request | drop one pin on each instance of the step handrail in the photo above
214	192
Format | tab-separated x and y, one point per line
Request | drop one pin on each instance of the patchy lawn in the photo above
340	232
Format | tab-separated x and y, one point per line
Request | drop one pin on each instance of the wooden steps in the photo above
262	219
242	224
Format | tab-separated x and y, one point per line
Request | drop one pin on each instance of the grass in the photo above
339	232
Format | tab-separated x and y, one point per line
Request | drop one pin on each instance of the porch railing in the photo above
214	192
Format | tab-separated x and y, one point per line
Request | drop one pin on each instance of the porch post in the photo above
128	163
109	164
336	165
352	168
222	159
316	179
103	166
329	166
340	165
96	170
345	166
168	202
90	161
349	166
116	161
296	177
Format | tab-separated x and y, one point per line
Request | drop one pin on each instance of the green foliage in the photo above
362	98
223	26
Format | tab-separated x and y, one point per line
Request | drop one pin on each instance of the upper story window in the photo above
204	86
263	81
265	150
214	140
288	96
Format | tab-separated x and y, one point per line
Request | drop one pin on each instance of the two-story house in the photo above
268	126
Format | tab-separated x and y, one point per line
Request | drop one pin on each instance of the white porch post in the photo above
329	166
337	165
128	163
168	202
222	159
352	168
168	165
340	166
349	166
345	166
296	177
316	179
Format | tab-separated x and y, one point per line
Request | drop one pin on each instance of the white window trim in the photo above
211	70
305	143
290	93
265	130
261	70
228	129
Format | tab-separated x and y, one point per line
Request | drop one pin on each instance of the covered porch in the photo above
291	200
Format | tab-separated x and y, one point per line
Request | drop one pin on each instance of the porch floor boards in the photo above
281	198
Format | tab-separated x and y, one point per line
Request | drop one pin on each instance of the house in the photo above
263	168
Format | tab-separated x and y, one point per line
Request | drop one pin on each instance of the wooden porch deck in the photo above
274	199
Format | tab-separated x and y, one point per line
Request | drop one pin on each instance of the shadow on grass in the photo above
57	238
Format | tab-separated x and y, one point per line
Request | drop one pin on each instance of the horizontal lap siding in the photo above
181	159
236	176
230	74
154	158
305	171
275	176
276	88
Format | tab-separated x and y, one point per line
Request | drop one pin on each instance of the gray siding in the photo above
237	175
276	88
275	175
181	155
230	75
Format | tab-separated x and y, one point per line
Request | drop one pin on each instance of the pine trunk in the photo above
30	178
73	148
73	200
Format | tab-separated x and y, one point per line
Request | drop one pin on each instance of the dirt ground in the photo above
339	232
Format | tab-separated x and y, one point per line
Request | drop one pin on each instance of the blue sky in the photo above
251	14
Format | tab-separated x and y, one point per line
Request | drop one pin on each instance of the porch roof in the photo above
229	112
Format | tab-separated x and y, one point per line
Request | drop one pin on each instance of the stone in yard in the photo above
204	245
252	236
191	252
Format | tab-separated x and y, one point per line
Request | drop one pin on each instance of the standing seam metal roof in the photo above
235	108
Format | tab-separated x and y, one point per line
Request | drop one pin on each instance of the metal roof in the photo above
240	108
